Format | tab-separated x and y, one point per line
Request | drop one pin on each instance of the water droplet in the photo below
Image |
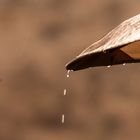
63	118
68	73
124	64
109	66
65	91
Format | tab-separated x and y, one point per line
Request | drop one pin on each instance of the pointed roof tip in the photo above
126	33
73	65
88	60
68	67
79	63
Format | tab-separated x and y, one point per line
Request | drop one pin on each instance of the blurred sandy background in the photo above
37	39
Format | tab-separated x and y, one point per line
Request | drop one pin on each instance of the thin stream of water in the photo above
63	116
65	90
64	94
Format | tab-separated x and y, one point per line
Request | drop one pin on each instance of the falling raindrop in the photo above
63	118
68	73
65	91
